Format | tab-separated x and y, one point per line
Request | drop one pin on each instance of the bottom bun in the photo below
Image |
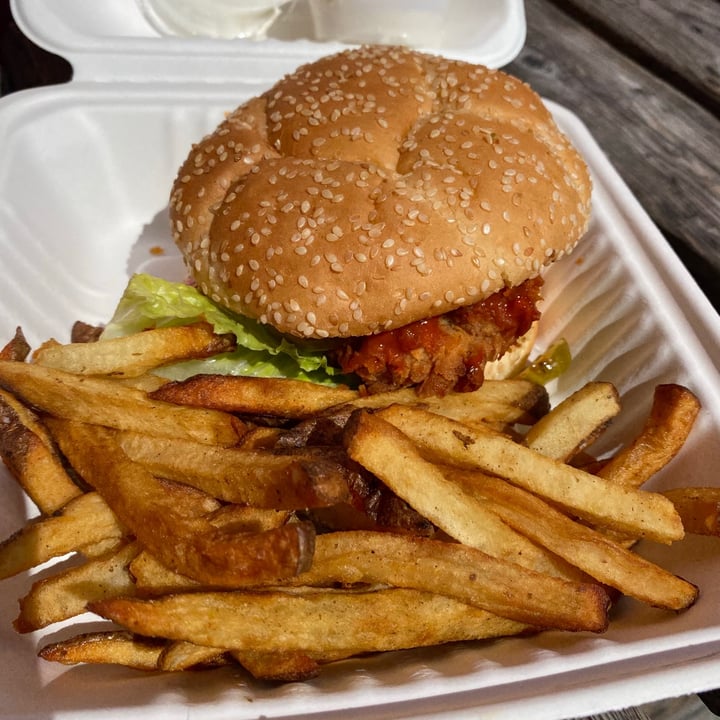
513	361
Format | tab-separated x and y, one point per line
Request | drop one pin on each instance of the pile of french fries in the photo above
282	525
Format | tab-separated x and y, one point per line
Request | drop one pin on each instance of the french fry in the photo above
243	518
671	418
464	573
180	655
280	667
317	622
254	396
179	533
601	558
321	430
575	423
394	458
30	454
260	437
115	647
495	401
66	594
98	548
49	343
83	521
699	508
235	475
105	402
82	332
146	383
135	354
449	569
152	578
17	348
600	501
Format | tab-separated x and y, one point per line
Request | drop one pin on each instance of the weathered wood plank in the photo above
666	147
680	40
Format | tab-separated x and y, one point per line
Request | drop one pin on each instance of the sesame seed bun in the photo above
374	188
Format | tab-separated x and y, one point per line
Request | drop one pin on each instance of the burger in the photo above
391	208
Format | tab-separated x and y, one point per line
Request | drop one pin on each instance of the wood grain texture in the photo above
678	40
665	145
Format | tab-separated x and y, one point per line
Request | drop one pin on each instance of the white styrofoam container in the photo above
113	40
84	181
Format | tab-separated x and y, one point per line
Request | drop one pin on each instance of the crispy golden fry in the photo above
177	531
337	557
279	667
699	508
667	428
99	548
17	349
601	558
575	423
187	500
84	520
254	396
350	557
106	402
323	430
506	401
490	405
151	577
66	594
49	343
260	438
592	498
82	332
182	655
135	354
236	475
29	453
503	588
115	647
146	383
393	457
242	518
315	622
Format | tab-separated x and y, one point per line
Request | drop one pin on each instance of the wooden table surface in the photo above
644	77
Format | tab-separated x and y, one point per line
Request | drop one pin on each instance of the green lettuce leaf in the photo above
150	302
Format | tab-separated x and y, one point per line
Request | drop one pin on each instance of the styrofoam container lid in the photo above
116	40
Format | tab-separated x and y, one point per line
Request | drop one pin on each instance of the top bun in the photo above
374	188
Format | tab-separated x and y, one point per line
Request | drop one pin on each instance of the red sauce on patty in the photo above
448	352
